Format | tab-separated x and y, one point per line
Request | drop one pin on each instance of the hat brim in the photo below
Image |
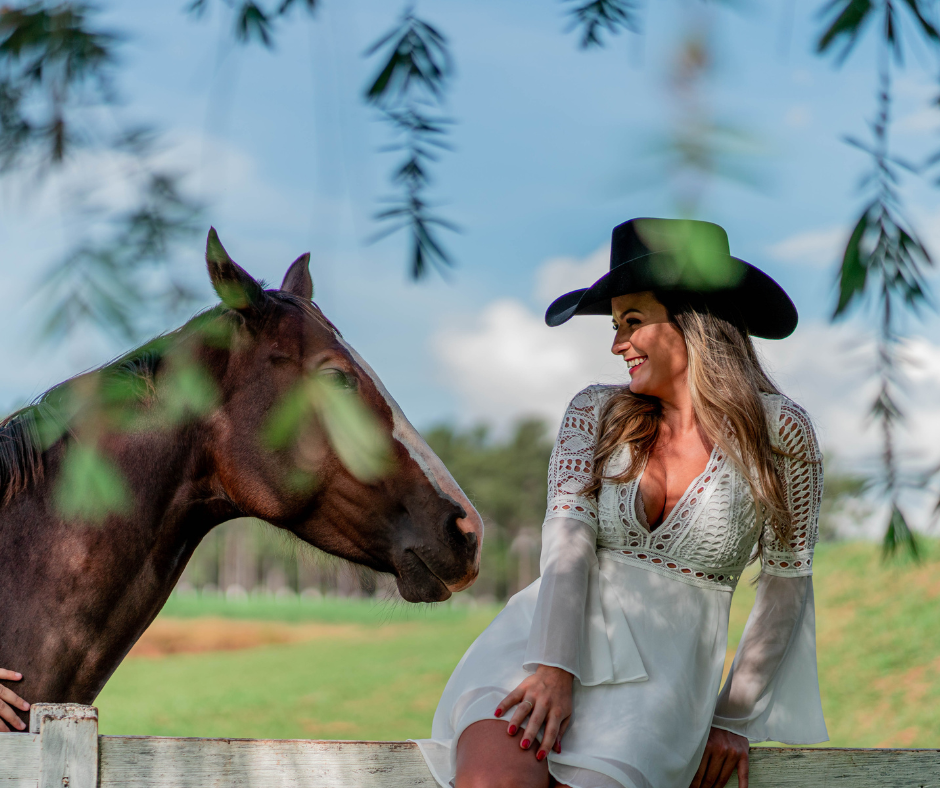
756	298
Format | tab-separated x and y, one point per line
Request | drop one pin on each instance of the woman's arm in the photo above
554	649
568	555
772	691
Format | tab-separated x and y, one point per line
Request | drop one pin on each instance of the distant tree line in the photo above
504	474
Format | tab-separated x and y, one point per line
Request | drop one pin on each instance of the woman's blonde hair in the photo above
726	380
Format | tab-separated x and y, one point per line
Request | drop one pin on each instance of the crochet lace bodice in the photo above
710	534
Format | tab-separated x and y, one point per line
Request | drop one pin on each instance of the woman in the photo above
605	672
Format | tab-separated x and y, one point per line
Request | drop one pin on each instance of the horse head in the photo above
292	396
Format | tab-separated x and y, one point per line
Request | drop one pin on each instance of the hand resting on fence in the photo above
9	699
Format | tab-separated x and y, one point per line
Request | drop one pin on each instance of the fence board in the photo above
19	760
785	767
157	762
68	744
154	762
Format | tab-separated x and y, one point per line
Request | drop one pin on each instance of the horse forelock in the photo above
309	308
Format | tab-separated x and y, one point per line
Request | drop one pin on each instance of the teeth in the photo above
635	361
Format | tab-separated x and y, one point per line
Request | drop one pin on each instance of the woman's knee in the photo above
488	758
499	778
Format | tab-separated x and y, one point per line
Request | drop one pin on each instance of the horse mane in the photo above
25	433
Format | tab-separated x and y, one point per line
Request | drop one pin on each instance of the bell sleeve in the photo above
772	690
578	624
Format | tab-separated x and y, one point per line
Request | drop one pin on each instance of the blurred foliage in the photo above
112	283
883	269
409	91
57	69
255	22
121	398
593	17
352	429
53	64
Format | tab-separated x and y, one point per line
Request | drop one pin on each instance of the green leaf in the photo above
418	55
853	273
355	434
899	536
187	392
90	487
850	18
353	431
926	27
253	23
596	16
287	5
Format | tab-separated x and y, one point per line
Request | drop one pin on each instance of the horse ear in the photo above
234	285
297	280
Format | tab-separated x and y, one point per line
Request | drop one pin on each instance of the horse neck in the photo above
77	596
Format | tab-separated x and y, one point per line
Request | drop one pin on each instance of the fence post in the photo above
68	744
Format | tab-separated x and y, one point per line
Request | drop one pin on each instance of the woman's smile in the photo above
635	363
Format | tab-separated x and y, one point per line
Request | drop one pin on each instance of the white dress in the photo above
641	618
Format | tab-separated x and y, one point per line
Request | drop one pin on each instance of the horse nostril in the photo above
471	524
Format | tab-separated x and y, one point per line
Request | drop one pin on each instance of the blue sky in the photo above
552	148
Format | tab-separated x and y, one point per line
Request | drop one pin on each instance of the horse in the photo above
77	592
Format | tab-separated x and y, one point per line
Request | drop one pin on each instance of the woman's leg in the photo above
489	758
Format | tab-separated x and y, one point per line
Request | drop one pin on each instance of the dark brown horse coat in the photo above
76	595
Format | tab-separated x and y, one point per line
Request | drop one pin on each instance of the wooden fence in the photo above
63	750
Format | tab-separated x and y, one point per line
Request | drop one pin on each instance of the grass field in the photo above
357	669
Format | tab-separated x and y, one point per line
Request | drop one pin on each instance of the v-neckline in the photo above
688	491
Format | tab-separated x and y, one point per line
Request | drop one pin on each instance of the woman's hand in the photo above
9	699
723	752
543	697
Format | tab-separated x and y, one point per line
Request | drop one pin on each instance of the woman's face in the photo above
651	344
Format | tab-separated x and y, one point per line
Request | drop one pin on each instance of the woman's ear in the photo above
297	280
235	286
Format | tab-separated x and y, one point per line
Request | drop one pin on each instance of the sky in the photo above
552	147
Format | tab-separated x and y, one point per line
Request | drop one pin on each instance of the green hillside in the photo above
379	675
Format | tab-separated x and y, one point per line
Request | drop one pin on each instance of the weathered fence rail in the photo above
63	750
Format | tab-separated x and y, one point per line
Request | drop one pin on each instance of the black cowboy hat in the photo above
683	256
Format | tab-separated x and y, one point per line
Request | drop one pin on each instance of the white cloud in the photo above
559	275
510	364
813	247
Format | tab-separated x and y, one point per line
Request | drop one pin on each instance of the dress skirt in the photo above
648	732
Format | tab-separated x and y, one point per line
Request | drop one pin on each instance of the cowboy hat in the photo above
683	256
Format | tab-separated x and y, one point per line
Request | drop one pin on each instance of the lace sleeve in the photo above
801	470
569	469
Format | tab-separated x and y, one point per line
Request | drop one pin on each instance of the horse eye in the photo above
339	380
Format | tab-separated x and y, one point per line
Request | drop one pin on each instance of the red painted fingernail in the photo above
525	744
512	730
557	746
540	755
499	712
